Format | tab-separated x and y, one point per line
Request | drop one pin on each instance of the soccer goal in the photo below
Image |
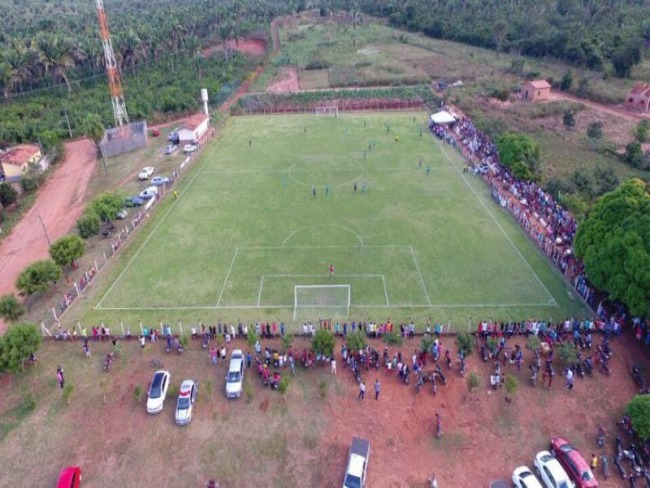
312	302
328	110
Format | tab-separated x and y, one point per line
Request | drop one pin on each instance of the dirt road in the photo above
59	203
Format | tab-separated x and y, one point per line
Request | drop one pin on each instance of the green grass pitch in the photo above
247	228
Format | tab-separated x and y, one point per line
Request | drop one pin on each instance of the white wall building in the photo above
193	129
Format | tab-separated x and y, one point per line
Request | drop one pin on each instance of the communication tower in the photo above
114	80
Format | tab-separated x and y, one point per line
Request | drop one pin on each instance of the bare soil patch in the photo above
251	47
59	204
287	81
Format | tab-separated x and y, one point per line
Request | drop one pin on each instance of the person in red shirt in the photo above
331	269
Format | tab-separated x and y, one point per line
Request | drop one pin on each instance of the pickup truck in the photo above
355	473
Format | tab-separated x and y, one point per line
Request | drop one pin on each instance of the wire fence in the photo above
370	106
118	235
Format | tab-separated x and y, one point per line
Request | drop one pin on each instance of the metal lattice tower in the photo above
114	80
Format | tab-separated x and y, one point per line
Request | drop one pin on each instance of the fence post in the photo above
141	328
96	267
76	288
469	321
122	327
44	330
161	327
104	253
180	328
56	319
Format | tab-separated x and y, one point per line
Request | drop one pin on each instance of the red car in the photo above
572	461
70	477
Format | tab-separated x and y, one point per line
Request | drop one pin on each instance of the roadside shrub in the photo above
639	411
567	353
472	382
284	384
356	340
8	194
323	342
27	403
465	343
393	338
511	385
595	130
286	340
533	343
88	225
138	393
427	343
29	184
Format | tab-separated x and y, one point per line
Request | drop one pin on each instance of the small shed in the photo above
638	98
194	128
535	91
15	161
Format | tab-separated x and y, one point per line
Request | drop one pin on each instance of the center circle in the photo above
323	172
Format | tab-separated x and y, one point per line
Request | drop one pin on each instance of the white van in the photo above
235	378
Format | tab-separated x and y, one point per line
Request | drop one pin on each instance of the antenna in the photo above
114	80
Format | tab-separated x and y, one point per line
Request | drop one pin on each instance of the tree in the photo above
567	353
323	342
520	153
624	57
8	194
633	155
10	308
93	127
500	31
38	276
88	224
107	205
67	249
465	343
595	130
17	344
569	119
356	340
583	87
639	411
614	244
567	81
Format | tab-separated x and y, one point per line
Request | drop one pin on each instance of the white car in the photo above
146	172
190	148
149	193
171	149
158	391
550	471
235	378
159	180
357	469
186	399
522	477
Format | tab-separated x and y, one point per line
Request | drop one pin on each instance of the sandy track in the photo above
59	203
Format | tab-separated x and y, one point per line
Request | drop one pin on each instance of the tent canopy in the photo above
443	117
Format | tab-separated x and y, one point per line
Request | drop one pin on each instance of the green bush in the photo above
465	343
567	353
639	411
472	382
394	338
10	308
88	224
323	342
285	381
356	340
138	393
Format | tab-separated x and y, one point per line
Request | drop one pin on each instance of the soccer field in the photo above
272	204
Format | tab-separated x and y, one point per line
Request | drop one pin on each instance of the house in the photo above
15	161
638	98
193	129
535	91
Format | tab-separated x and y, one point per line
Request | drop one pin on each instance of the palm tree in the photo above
500	30
57	55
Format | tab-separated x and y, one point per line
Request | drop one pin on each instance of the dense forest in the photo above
598	34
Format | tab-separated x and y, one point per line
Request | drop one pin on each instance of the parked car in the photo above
122	214
357	468
173	134
186	398
155	132
133	202
171	149
146	172
522	477
159	180
573	463
190	148
158	391
149	193
235	378
550	471
70	477
499	484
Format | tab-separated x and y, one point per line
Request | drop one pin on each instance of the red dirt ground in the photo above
59	203
484	437
287	81
252	47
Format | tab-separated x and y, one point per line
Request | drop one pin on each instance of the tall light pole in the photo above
49	242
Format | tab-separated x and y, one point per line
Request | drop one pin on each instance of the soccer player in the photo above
331	269
427	170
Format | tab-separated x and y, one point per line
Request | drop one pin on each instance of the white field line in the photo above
394	306
383	279
225	282
496	221
259	295
333	246
146	241
426	293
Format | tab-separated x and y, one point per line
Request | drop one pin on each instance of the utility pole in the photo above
49	243
65	111
101	150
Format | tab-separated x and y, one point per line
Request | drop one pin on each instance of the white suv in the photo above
550	471
235	378
146	172
355	473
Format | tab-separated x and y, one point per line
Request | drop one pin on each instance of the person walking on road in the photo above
362	390
59	376
333	363
377	389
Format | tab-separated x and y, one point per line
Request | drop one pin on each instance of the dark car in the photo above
573	462
70	477
133	201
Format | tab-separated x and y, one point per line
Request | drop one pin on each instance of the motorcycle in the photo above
439	372
533	376
419	383
588	365
463	368
484	353
434	385
600	440
579	370
620	468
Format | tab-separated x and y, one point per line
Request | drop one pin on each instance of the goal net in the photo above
328	110
312	302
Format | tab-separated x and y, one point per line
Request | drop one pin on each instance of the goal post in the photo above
327	110
312	302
